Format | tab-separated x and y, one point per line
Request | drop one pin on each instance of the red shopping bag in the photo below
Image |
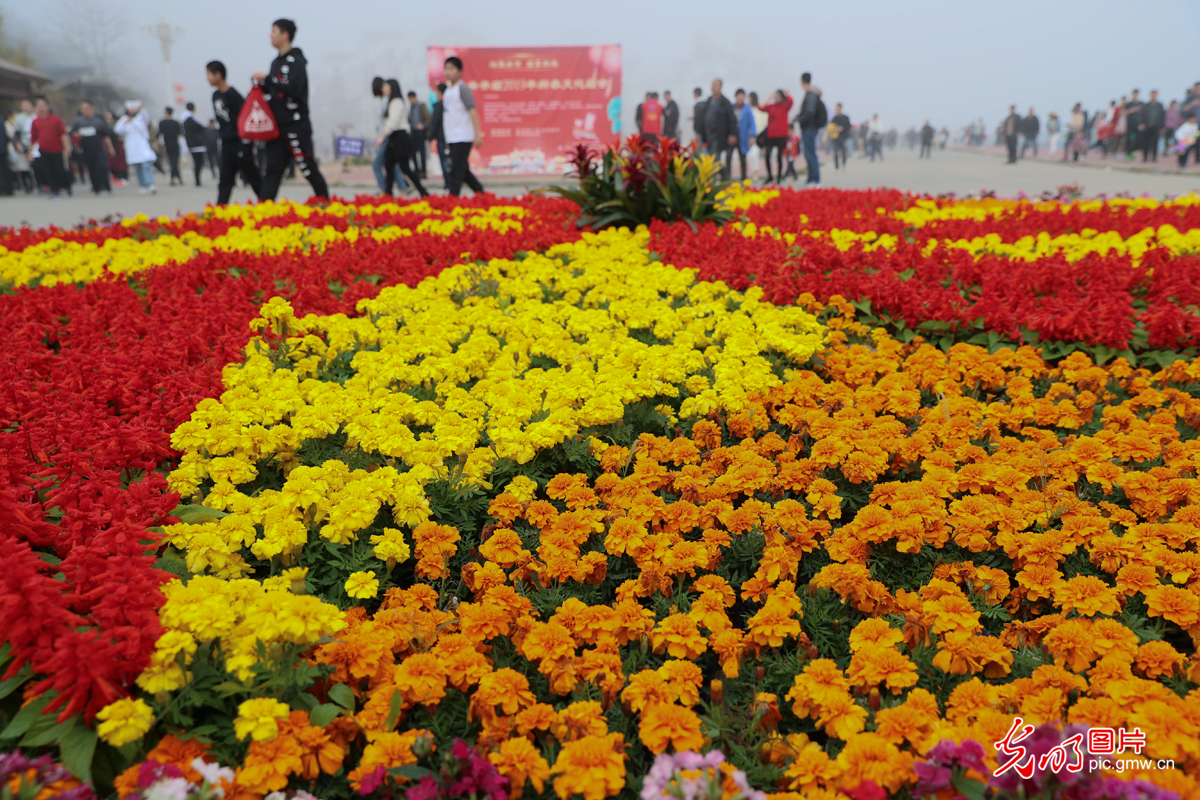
255	121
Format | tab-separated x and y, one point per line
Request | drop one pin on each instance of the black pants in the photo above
294	144
791	170
197	164
729	153
839	152
460	169
1149	139
173	161
54	172
926	150
1026	143
235	158
724	156
777	145
214	158
97	167
416	140
1011	141
399	154
1183	157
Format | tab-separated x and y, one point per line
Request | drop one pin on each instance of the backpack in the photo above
255	121
822	114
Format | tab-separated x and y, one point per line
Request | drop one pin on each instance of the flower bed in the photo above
353	512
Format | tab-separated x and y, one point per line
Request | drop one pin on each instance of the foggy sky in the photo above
946	60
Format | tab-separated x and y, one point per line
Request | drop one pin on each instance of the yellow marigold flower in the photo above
362	585
124	721
666	724
593	766
390	546
259	717
523	488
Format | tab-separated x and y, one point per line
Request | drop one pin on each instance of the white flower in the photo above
213	774
168	789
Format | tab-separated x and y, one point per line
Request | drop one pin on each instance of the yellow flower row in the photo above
514	357
923	212
56	261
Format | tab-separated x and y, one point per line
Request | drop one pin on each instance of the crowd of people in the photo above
1125	129
47	156
757	133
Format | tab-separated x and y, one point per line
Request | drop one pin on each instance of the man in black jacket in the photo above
720	126
926	140
286	90
193	134
1150	127
1031	127
1011	128
93	133
698	116
810	126
236	154
169	130
670	117
438	136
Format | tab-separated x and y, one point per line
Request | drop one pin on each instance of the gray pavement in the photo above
959	171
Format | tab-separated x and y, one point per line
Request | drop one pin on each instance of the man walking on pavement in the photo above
93	133
812	118
670	117
926	141
720	126
839	133
437	134
235	153
169	130
48	133
1012	128
193	134
1133	125
418	121
1031	127
286	90
698	117
460	124
1150	127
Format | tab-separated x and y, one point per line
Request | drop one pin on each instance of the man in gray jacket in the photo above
720	126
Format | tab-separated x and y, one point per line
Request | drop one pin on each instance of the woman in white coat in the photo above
139	154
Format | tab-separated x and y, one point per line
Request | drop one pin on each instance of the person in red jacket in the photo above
777	132
650	118
49	134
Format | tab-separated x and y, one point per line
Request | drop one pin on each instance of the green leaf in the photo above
78	748
45	731
970	789
341	694
226	688
410	771
194	515
24	718
324	714
12	684
393	711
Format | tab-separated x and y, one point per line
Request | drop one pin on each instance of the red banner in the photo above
537	103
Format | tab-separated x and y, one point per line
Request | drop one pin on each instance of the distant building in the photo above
73	85
17	81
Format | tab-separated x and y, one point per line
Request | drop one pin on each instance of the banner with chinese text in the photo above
536	103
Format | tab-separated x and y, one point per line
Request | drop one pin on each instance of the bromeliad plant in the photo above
637	181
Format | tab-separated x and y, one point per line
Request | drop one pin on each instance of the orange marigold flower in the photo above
872	665
646	688
505	508
1040	581
505	688
504	548
683	681
772	624
387	750
874	631
870	757
519	761
593	766
580	719
1071	644
1155	659
679	636
268	764
1180	606
538	717
1087	595
666	724
421	678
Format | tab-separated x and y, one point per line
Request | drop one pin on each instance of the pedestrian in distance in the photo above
812	118
285	86
212	144
839	133
720	127
926	141
649	118
670	116
1150	127
93	133
778	111
236	156
193	135
460	124
117	166
1030	128
169	131
437	135
747	129
395	137
48	134
698	117
418	120
1132	115
1186	140
1011	129
134	128
377	84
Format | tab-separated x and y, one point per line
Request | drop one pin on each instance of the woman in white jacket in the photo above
139	154
399	146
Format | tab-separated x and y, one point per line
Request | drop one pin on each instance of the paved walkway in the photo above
959	171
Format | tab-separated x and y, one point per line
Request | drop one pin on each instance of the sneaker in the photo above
153	190
143	190
110	194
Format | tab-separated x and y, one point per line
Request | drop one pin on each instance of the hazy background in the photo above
946	60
